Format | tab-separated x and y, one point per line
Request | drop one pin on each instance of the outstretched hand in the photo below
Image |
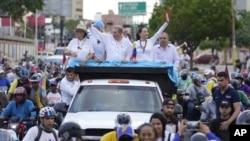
167	18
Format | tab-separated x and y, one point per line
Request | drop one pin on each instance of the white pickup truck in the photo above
98	101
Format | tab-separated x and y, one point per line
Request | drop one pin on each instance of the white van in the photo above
43	55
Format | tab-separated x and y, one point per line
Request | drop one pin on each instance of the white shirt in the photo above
146	54
99	47
33	132
116	51
83	48
54	98
168	55
68	89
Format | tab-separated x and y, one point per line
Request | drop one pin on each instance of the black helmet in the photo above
68	130
235	83
197	78
123	119
239	76
243	118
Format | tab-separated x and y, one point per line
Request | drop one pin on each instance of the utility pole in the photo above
233	30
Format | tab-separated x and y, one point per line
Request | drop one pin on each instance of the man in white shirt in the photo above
118	48
166	52
69	85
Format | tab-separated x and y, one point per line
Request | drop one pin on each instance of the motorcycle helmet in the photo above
197	79
20	91
239	76
243	118
184	74
235	83
69	130
123	119
23	73
36	77
47	112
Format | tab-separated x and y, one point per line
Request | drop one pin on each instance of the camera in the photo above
192	124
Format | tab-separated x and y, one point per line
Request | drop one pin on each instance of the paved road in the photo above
202	67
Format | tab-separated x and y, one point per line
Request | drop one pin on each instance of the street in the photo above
202	67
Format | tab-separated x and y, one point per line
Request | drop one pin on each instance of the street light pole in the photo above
234	51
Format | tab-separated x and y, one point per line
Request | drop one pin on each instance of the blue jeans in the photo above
190	110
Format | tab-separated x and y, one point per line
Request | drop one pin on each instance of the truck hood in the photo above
104	120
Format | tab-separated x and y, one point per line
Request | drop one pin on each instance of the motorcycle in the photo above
20	126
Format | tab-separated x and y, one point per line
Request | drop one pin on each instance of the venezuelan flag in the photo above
42	81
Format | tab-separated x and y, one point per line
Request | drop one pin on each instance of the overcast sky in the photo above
90	7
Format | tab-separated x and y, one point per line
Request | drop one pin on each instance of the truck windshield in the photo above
117	98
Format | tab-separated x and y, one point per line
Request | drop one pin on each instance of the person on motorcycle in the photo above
211	80
44	131
70	131
243	118
38	94
20	107
197	93
122	120
243	97
243	87
23	80
4	82
183	79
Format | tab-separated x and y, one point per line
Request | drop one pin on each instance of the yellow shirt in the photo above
211	83
13	86
111	136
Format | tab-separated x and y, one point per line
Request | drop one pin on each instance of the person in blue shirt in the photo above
20	107
4	82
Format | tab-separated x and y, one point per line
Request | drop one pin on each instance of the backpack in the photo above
200	96
40	133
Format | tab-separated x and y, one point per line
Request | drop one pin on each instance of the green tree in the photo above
70	26
242	35
17	8
195	20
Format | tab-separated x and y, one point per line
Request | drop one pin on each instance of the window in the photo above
117	98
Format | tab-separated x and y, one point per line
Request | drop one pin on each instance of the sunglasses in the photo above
34	82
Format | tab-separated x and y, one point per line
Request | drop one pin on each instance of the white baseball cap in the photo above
1	70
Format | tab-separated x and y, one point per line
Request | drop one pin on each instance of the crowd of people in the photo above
215	97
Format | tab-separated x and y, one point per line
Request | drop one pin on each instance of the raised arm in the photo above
99	35
160	30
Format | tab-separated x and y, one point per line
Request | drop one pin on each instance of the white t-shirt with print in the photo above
33	132
54	98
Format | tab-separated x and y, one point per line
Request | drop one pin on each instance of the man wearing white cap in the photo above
99	47
80	48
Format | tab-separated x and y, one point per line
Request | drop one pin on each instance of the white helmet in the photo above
47	112
209	72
